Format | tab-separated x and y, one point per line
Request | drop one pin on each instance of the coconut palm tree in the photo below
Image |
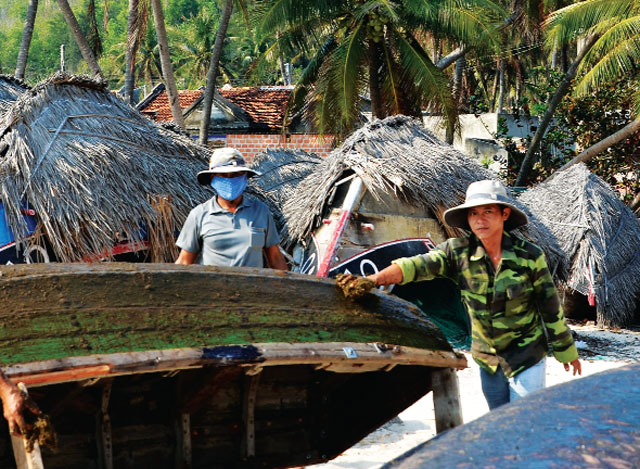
136	28
81	40
616	53
165	61
27	33
93	34
610	48
194	50
212	75
372	47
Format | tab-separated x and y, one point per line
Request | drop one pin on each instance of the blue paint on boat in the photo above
232	352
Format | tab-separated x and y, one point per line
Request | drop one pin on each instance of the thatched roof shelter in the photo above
600	236
282	170
398	156
10	89
92	166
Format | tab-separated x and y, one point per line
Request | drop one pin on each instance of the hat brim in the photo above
204	177
457	216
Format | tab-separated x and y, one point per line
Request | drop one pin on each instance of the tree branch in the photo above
562	90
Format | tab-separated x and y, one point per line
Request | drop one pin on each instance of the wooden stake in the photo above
251	391
26	459
446	399
183	435
103	430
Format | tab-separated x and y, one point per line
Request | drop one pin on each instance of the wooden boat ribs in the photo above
171	367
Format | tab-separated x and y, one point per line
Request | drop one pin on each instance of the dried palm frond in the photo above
281	172
10	89
600	235
162	230
92	166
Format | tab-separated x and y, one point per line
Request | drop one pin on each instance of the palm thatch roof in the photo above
92	166
600	236
398	156
282	170
10	89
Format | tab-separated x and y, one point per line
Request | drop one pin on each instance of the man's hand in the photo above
353	286
577	367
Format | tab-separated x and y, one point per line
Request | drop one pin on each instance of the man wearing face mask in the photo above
230	229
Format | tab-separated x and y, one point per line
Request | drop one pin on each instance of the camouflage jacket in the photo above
509	308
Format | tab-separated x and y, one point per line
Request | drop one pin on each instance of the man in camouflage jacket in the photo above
507	289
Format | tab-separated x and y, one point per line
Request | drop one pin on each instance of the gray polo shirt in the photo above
223	238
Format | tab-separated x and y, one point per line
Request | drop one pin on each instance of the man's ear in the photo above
506	213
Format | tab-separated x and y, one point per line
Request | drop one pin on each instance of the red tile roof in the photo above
265	105
159	109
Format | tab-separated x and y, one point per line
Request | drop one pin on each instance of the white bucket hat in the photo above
484	193
225	160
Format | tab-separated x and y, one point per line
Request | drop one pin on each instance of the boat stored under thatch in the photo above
399	158
165	366
281	171
600	236
92	166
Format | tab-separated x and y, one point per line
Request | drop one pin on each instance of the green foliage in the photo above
44	54
556	147
379	51
579	123
598	115
177	11
615	54
191	28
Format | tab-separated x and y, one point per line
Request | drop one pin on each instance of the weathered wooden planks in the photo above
169	366
71	310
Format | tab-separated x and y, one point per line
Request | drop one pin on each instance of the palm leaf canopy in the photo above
372	47
598	233
92	166
281	172
398	156
616	52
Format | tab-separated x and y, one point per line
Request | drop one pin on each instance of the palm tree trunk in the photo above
213	71
93	34
132	50
283	69
165	62
563	88
27	33
450	58
483	83
554	58
457	81
81	40
494	88
605	143
501	86
374	81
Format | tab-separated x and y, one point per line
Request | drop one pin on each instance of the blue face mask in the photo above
229	188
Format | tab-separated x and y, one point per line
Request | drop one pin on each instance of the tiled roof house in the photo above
247	118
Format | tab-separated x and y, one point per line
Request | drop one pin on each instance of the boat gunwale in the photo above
331	356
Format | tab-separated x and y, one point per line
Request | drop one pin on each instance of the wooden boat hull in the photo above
143	365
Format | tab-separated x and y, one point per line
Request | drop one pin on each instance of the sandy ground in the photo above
599	351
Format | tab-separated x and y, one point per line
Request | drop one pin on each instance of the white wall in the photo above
477	137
